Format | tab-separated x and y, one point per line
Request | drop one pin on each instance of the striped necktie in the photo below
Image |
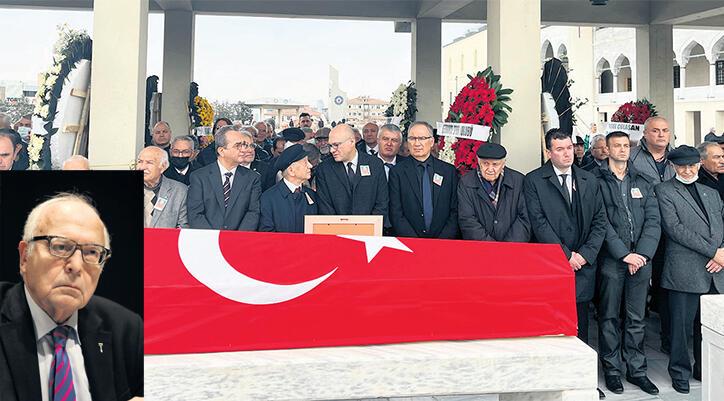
227	188
61	377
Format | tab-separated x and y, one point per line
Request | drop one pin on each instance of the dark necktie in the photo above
350	172
565	188
61	376
227	188
426	197
389	165
372	152
298	190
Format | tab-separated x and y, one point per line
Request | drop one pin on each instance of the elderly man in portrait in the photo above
161	135
491	204
58	341
423	190
182	159
369	144
77	163
284	205
712	165
164	199
691	216
353	183
224	195
389	140
262	138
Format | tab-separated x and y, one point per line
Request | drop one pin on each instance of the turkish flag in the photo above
210	291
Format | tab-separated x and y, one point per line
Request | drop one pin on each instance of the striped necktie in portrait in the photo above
61	377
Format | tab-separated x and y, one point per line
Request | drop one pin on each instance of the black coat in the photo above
406	213
368	195
114	374
714	183
481	221
282	211
182	178
644	211
553	221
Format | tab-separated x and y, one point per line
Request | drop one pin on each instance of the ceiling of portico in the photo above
699	13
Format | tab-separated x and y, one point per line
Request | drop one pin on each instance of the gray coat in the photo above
692	241
643	162
174	213
480	220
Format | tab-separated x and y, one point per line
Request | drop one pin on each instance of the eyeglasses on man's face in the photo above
336	145
62	247
181	153
418	138
243	145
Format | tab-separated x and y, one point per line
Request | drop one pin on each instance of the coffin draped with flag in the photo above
226	291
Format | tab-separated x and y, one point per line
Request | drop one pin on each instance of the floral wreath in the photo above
72	46
634	112
483	101
403	104
200	110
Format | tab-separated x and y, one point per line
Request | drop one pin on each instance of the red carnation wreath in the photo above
634	112
483	101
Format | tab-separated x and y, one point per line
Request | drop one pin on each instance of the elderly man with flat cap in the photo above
284	205
491	204
691	215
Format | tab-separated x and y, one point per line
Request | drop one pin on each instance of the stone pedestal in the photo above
541	368
712	347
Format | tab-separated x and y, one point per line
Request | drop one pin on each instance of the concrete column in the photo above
712	75
427	68
513	52
615	84
682	77
178	63
654	68
118	83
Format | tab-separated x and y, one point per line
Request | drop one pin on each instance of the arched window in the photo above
624	83
563	56
606	76
697	68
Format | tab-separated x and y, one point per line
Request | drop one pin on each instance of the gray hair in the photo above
162	154
423	123
5	121
652	119
251	129
34	218
598	137
186	138
389	128
220	135
164	123
703	149
79	158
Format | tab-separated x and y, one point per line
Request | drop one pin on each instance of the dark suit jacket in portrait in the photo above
480	220
554	222
206	200
406	210
693	236
114	374
366	196
174	213
283	211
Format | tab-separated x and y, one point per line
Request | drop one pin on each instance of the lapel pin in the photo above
100	347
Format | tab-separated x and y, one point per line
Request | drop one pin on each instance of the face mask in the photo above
180	162
685	181
24	133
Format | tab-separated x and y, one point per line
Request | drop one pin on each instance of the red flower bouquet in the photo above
483	101
634	112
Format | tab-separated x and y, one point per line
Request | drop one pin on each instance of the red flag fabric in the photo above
211	291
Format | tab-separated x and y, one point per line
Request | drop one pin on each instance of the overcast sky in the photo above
242	58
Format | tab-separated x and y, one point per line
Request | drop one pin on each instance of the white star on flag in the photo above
373	245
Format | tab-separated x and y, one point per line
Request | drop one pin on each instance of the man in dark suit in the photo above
712	165
291	136
368	144
423	190
491	205
182	159
223	195
389	141
56	338
633	231
691	216
565	207
353	183
284	205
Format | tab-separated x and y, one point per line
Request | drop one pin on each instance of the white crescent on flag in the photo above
212	270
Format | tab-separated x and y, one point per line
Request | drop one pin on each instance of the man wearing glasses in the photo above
223	195
182	157
354	182
423	190
57	340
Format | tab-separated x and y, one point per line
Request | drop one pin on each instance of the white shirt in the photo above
387	168
353	161
569	180
376	149
291	186
183	171
44	325
223	176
